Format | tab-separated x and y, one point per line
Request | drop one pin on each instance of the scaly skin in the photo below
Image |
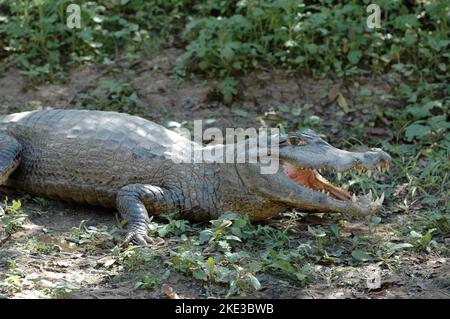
125	162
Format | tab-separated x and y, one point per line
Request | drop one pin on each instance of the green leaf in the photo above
227	52
354	56
407	20
283	265
228	89
205	236
317	232
409	38
335	230
254	282
360	255
418	112
210	263
234	238
254	266
417	131
397	247
311	47
200	274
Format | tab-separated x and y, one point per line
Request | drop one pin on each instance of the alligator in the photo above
125	162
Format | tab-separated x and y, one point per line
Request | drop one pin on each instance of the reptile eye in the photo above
296	140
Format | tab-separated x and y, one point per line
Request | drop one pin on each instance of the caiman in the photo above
125	162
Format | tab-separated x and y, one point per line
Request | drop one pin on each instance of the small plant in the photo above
43	203
62	291
91	235
111	96
12	216
423	242
151	281
39	247
228	89
11	279
137	258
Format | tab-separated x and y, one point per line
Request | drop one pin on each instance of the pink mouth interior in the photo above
313	180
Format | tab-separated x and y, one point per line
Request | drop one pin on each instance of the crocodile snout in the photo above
375	158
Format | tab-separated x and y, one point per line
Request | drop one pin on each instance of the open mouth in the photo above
312	179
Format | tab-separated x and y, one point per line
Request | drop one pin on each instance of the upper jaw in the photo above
375	159
341	161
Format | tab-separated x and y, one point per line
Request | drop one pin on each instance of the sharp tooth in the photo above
354	198
328	193
387	167
381	200
370	194
379	167
339	176
369	173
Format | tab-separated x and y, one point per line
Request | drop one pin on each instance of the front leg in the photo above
134	200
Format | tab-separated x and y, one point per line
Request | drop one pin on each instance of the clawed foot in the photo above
136	237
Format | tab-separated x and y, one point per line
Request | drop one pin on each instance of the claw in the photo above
379	201
141	239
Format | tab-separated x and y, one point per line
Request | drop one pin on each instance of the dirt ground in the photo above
420	275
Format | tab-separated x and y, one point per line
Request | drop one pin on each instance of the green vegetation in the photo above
12	217
326	38
111	95
39	247
34	35
91	236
